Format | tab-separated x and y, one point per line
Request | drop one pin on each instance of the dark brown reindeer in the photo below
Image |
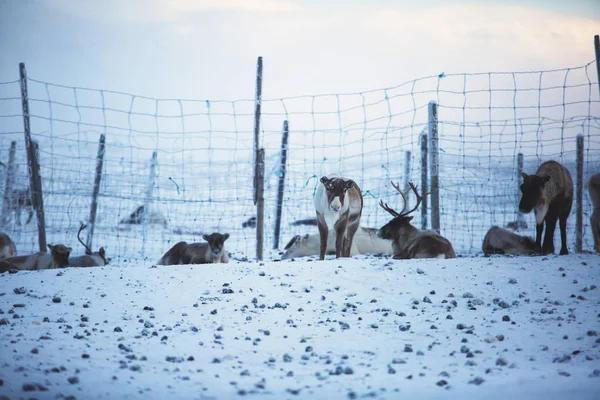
198	253
409	241
90	259
338	204
7	247
549	193
593	187
57	258
502	241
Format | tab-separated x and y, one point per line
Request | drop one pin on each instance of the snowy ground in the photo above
488	328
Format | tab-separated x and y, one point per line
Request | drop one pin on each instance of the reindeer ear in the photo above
226	236
525	176
350	184
51	247
205	237
545	178
324	180
409	218
102	252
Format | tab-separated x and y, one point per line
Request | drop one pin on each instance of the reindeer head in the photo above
336	189
391	229
60	254
216	242
532	190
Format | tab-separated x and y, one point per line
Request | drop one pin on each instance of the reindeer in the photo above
338	203
7	247
198	253
57	258
549	193
593	187
365	241
502	241
97	259
409	241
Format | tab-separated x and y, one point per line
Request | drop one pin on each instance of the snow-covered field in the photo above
485	328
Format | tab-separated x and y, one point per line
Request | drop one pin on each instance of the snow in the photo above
306	329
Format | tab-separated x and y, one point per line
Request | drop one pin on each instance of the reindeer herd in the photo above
338	205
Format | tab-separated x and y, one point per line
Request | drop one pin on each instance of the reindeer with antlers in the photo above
90	259
409	241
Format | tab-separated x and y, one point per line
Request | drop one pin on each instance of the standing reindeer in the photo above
338	203
409	241
593	187
18	200
549	193
97	259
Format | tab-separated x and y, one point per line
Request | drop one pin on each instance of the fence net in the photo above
200	179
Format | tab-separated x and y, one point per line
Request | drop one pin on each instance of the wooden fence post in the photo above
579	196
96	190
597	51
434	166
280	188
424	180
260	203
257	114
10	178
35	182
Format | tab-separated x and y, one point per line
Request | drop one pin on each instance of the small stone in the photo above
73	380
441	383
506	318
476	381
501	362
56	299
512	281
20	290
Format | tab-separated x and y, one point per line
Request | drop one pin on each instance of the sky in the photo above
207	49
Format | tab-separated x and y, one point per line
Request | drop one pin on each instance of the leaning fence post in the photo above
10	178
579	196
257	113
597	51
520	217
36	197
282	167
406	174
434	166
260	203
96	190
424	180
34	171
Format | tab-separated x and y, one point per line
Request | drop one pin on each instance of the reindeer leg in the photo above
563	235
353	223
340	235
538	235
323	233
548	247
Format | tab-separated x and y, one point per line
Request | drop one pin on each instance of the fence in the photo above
173	169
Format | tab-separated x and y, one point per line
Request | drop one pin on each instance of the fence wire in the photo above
203	173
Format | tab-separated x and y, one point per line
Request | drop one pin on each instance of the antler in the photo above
88	251
403	213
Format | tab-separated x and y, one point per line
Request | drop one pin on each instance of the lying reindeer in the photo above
593	187
97	259
409	241
502	241
338	203
57	258
7	247
549	193
365	241
198	253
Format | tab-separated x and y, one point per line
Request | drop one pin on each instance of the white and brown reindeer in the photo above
593	187
90	259
549	193
502	241
211	252
7	247
57	258
338	204
365	241
409	241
